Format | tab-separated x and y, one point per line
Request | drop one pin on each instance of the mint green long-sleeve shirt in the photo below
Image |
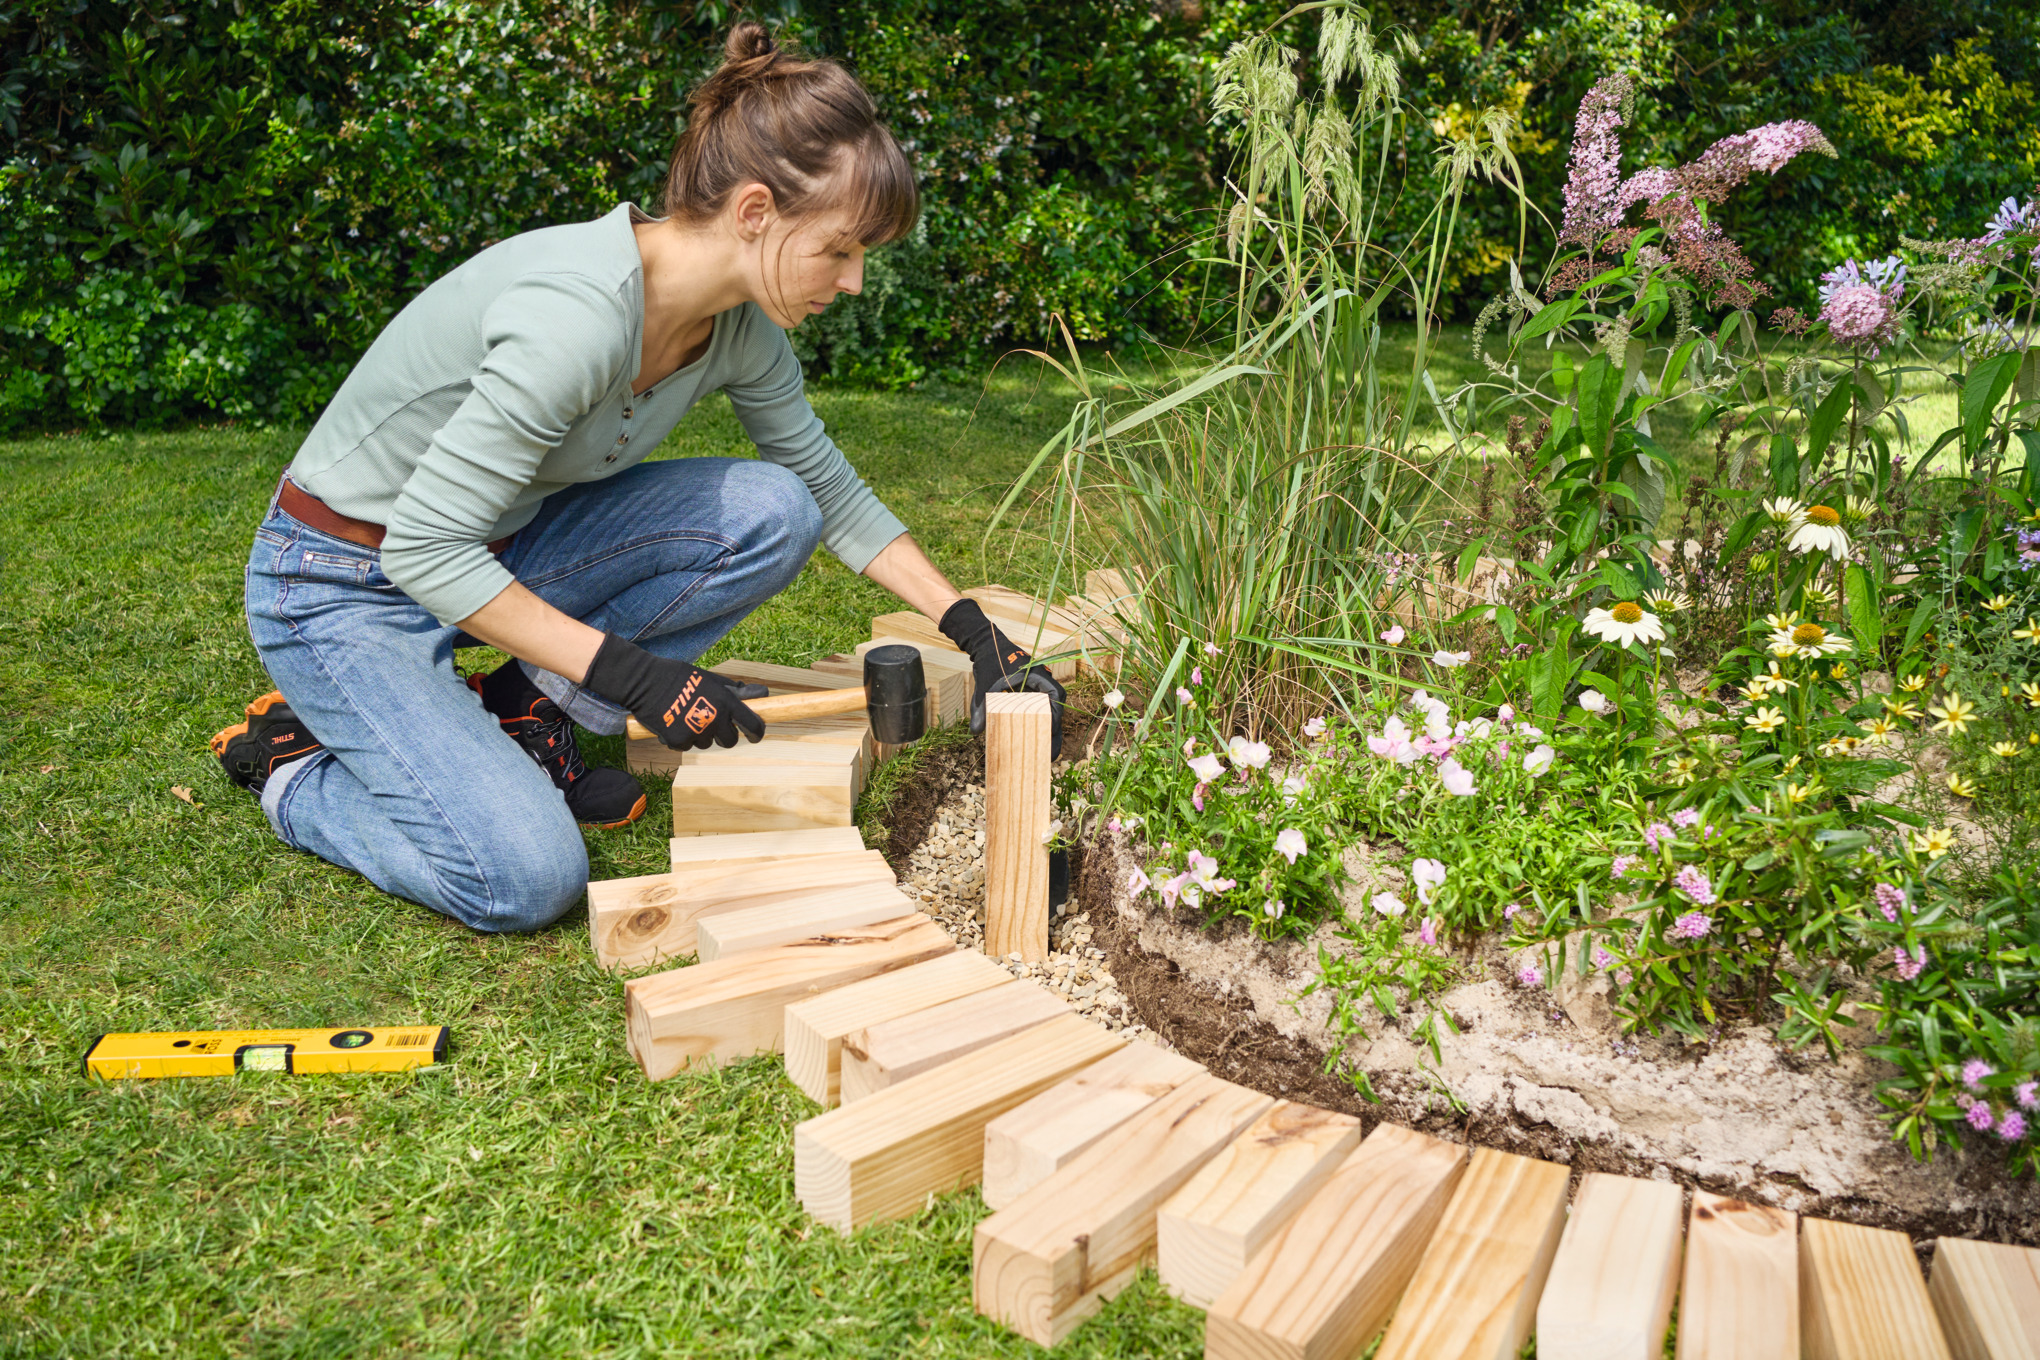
510	379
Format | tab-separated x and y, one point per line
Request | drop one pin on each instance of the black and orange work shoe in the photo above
597	795
251	751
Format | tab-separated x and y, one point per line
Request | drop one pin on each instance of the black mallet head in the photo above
895	694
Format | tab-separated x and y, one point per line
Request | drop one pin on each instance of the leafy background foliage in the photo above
209	209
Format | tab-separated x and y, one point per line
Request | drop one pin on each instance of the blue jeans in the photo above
418	789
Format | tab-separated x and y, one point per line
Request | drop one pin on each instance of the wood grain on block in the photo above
1861	1296
1023	608
1474	1296
1211	1228
736	1007
635	922
1028	1145
790	679
1331	1275
646	754
1051	1258
815	1028
1988	1298
712	799
781	918
1739	1296
951	677
1018	734
1097	643
1107	584
888	1052
775	751
884	1157
1611	1288
918	631
763	847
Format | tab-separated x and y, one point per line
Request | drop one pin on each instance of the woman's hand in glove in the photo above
998	666
683	705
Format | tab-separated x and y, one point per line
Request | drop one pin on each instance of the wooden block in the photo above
1474	1296
815	1028
1331	1275
763	847
736	1007
1024	608
888	1052
781	918
711	799
1988	1299
635	922
1861	1296
848	667
789	679
1211	1228
1108	584
646	754
1028	1145
951	677
1739	1298
917	630
884	1158
1096	646
1017	737
1050	1259
772	751
1617	1271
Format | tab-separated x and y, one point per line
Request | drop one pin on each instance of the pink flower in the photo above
1602	958
1861	302
2027	1093
1692	926
1429	876
1537	760
1211	649
1509	912
1908	968
1655	832
1979	1116
1530	975
1388	904
1890	898
1449	660
1686	817
1394	742
1182	695
1457	779
1694	884
1974	1071
1251	754
1197	675
1207	768
1620	866
1197	796
1273	908
1137	883
1113	825
1394	636
1289	844
1427	933
1314	729
2011	1126
1506	713
1624	976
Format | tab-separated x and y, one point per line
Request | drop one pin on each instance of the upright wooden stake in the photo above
1611	1289
1988	1296
1017	737
1740	1298
1861	1296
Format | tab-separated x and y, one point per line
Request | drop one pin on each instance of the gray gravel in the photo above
946	874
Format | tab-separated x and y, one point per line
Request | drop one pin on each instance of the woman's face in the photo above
804	265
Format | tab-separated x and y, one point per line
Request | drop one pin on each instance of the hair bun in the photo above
748	41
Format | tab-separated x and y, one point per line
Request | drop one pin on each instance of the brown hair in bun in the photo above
804	129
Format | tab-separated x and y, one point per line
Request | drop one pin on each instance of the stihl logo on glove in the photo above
680	702
701	716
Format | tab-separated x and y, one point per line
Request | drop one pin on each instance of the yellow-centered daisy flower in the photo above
1624	623
1880	727
1954	712
1755	691
1765	720
1776	680
1901	708
1799	793
1913	684
1839	671
1998	604
1682	770
2030	692
1959	786
1821	531
2005	749
1669	601
1785	512
1934	842
2030	633
1809	641
1787	620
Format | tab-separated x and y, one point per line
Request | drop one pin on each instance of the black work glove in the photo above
684	705
999	666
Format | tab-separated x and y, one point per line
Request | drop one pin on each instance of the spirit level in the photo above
215	1053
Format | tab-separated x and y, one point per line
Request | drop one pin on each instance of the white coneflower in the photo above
1821	531
1668	601
1627	622
1856	511
1785	512
1808	641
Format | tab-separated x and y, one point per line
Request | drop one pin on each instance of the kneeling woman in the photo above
477	479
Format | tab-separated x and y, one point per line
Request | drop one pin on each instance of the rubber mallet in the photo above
894	695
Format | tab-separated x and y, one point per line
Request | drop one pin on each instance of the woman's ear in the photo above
751	209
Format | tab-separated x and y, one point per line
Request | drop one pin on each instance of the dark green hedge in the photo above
209	209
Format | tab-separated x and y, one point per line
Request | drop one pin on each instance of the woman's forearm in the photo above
528	628
905	570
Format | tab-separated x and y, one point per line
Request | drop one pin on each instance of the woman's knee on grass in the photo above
522	878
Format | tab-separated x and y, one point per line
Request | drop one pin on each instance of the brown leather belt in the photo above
307	509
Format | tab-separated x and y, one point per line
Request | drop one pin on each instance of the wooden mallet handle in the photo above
786	707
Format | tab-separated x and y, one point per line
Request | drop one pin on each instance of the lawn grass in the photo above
537	1196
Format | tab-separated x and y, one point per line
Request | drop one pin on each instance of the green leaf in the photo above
1739	537
1561	378
1865	616
1784	466
1828	418
1923	614
1985	386
1549	318
1600	385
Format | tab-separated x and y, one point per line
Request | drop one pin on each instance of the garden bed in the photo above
1549	1074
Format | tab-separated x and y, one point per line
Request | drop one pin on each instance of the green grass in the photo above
537	1196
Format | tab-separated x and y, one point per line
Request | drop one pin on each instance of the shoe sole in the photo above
637	810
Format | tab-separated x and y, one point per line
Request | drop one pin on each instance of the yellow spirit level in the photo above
214	1053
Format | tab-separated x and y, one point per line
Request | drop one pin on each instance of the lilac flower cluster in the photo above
1863	303
1692	926
1890	900
2026	545
1690	881
1908	966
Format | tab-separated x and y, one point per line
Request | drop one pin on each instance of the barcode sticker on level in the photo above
409	1040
